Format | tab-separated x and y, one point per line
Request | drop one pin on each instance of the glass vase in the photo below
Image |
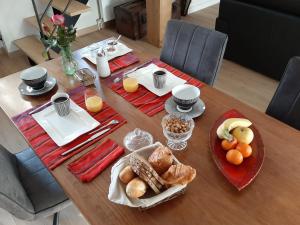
68	63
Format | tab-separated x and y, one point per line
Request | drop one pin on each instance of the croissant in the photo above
161	159
179	174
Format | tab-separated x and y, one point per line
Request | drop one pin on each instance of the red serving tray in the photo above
242	175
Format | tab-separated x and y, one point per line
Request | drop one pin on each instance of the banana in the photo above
232	123
220	131
224	129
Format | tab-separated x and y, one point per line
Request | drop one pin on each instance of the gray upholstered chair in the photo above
194	50
285	104
27	189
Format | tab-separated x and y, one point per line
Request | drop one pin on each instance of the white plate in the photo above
145	77
121	49
63	130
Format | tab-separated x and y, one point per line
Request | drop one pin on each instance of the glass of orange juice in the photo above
130	84
93	101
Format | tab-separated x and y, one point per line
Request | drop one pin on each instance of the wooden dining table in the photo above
272	198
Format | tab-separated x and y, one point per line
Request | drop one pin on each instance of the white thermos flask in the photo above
102	64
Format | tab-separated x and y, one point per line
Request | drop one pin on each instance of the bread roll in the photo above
179	174
136	188
161	159
126	175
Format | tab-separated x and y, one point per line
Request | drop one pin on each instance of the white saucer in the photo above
197	109
29	91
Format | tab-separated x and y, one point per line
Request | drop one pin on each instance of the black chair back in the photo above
285	104
194	50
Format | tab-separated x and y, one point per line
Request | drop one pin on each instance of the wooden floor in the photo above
244	84
12	63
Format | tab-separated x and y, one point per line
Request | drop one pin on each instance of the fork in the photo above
110	123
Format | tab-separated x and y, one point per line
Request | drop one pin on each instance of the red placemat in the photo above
90	165
145	100
46	148
122	62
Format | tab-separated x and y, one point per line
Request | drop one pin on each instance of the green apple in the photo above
243	134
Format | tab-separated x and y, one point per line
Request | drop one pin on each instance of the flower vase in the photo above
68	63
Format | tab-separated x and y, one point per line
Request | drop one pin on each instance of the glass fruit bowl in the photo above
177	128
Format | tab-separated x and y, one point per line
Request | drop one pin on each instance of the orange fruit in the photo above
227	145
245	149
234	156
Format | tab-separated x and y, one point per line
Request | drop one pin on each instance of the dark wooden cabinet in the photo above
131	18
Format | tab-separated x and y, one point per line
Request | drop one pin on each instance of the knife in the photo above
86	141
116	80
39	108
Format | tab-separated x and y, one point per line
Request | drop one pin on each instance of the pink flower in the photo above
58	20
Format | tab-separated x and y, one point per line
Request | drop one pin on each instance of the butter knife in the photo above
116	80
86	141
39	108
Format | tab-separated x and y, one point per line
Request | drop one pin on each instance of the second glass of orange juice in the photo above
93	101
130	84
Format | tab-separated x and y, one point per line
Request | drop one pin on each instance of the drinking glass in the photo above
93	100
130	84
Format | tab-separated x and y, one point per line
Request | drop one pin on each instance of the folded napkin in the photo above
145	78
122	49
95	161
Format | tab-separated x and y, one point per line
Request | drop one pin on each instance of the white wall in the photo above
12	13
201	4
12	26
108	7
88	19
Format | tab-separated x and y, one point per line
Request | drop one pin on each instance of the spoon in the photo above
110	123
116	41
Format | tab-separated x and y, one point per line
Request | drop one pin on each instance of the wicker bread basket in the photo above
117	192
